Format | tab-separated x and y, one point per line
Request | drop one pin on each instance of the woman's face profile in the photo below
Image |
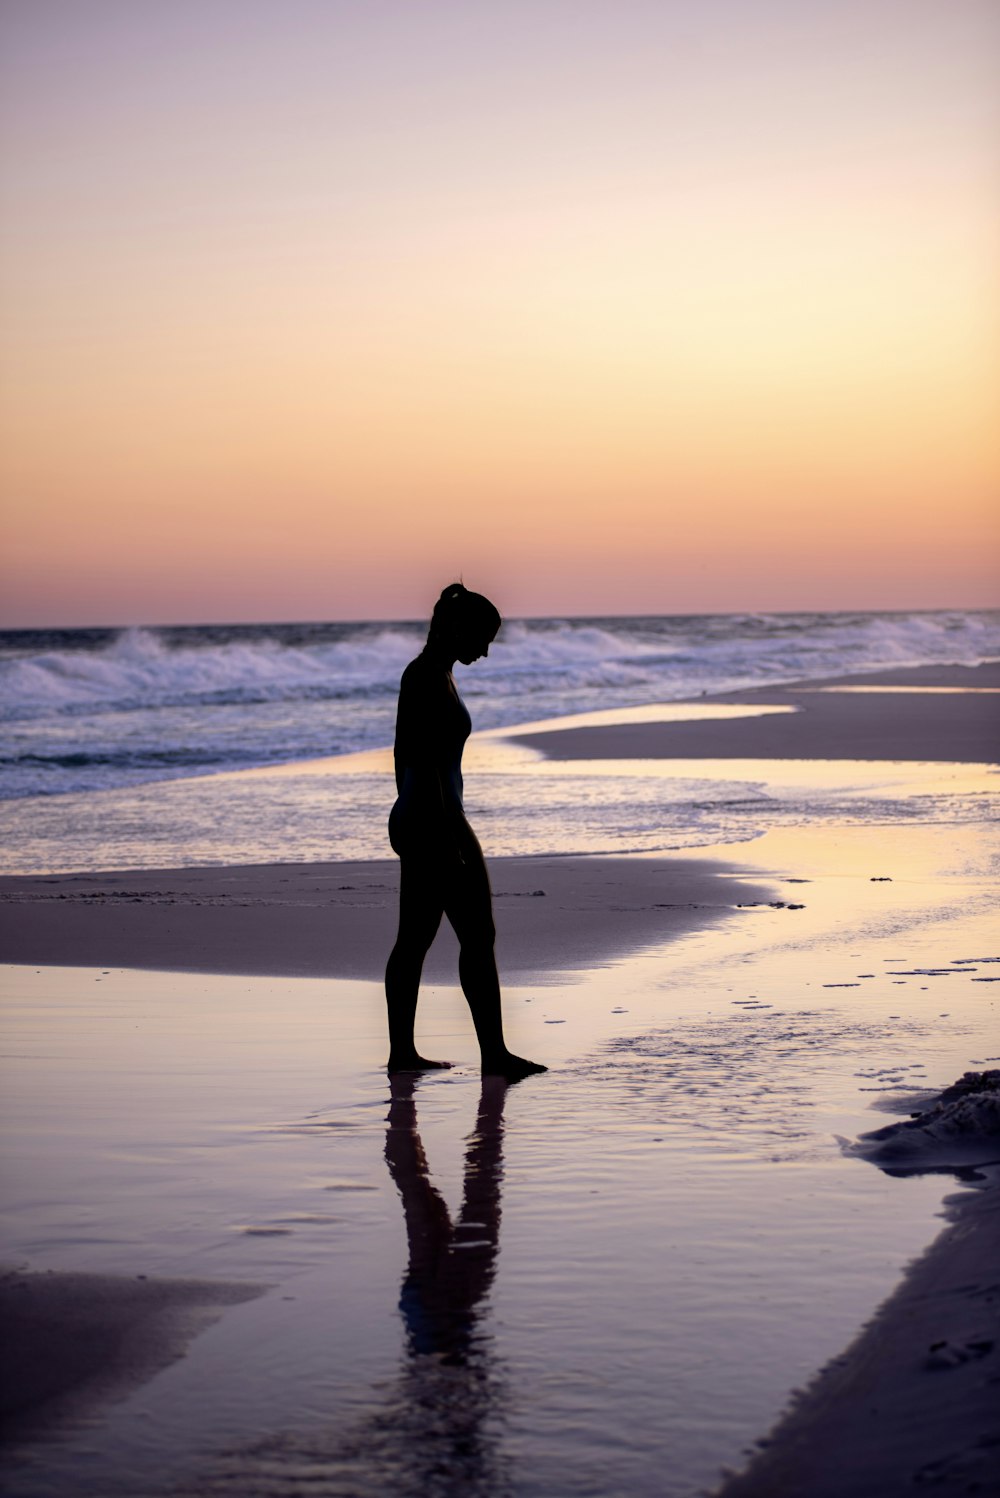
473	645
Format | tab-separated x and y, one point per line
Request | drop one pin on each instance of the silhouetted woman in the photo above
442	868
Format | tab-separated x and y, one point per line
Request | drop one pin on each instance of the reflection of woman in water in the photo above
439	1428
442	867
451	1264
441	1432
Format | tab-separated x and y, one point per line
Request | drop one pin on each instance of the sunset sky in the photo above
607	305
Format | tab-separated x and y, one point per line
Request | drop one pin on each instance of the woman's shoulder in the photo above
425	674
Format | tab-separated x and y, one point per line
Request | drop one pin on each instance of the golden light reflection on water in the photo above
518	802
677	1170
509	753
905	852
653	712
491	754
499	752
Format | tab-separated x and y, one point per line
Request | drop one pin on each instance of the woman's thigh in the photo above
468	899
421	901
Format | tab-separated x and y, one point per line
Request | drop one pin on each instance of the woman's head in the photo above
464	622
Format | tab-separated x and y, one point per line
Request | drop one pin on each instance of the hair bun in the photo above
459	608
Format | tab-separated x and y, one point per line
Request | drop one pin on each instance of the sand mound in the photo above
961	1128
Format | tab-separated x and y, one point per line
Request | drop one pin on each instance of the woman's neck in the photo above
440	654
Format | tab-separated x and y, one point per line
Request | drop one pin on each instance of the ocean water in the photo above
267	744
94	710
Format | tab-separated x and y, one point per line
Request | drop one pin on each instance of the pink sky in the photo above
628	307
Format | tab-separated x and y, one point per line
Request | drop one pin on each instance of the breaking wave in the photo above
92	709
147	667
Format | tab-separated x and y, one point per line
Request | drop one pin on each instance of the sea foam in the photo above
84	710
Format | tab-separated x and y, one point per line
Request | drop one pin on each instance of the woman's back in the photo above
432	725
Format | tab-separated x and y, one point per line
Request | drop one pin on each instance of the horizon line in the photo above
507	618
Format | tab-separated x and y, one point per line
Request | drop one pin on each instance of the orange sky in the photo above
611	308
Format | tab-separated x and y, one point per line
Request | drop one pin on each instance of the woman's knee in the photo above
415	936
476	935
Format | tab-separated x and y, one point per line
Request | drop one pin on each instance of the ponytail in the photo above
459	609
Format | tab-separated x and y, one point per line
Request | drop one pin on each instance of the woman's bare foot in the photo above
414	1062
512	1068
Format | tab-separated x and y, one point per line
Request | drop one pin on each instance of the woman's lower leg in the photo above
402	983
477	971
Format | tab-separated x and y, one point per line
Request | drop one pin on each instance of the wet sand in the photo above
912	1403
71	1342
681	1241
949	714
336	920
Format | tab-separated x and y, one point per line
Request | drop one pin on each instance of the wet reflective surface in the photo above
606	1279
518	802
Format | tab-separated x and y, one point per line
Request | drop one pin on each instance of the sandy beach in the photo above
886	715
713	1022
912	1402
576	421
554	916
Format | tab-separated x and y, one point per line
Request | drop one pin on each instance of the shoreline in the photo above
885	715
668	777
912	1400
